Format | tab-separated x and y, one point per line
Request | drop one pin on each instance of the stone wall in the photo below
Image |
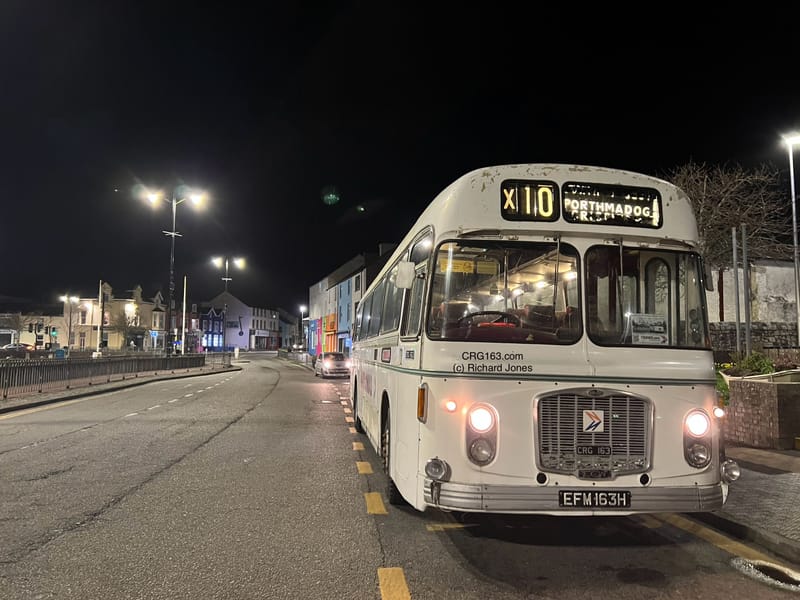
762	414
774	334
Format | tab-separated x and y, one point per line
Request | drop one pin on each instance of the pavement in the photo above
763	505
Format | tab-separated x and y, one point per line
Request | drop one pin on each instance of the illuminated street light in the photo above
790	141
181	194
302	332
219	261
72	300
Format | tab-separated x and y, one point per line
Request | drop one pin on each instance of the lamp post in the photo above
790	141
301	333
72	300
178	196
220	262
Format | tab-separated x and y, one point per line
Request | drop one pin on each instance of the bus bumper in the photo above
545	499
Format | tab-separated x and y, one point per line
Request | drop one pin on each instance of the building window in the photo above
82	340
83	317
358	283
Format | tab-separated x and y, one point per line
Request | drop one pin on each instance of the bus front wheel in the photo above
395	498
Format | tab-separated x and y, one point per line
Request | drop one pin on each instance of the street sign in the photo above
153	334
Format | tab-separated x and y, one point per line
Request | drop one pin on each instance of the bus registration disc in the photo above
593	499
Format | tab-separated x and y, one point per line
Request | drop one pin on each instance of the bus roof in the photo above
473	202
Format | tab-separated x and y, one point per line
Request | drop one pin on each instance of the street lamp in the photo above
72	300
790	141
178	196
302	332
219	261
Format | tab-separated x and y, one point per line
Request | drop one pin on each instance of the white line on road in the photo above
156	406
174	400
187	395
131	414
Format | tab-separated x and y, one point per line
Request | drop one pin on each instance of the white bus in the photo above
538	343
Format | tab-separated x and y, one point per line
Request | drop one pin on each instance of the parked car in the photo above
332	364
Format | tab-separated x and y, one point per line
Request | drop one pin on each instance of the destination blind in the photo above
580	202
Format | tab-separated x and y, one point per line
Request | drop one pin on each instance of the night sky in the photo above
265	106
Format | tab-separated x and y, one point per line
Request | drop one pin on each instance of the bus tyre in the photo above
356	420
392	493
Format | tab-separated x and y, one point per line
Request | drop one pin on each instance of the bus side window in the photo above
376	312
412	315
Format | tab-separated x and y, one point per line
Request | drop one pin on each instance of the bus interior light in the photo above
719	412
450	406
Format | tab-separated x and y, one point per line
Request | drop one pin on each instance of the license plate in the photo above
593	499
593	450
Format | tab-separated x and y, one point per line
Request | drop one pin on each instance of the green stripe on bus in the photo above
546	377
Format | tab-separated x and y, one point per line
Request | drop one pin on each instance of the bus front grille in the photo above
593	434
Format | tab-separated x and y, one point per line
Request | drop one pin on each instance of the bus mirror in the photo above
405	275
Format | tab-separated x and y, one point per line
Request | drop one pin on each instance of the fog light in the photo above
437	469
730	470
481	451
698	455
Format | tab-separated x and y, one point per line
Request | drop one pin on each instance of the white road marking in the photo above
156	406
131	414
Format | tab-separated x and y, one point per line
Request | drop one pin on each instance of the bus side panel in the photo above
403	398
365	404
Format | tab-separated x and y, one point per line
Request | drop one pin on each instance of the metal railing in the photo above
40	375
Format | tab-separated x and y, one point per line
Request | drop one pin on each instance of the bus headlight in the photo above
697	439
698	455
481	434
481	451
481	419
697	423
